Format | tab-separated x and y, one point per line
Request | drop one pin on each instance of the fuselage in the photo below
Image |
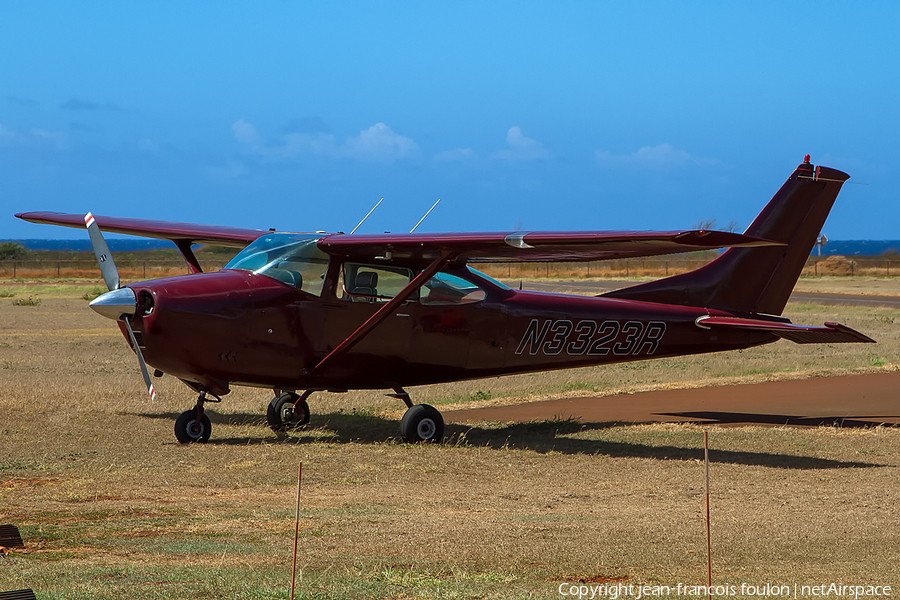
236	327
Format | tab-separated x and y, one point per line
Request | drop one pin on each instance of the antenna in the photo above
367	216
426	214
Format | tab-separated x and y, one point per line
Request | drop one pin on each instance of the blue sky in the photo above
518	115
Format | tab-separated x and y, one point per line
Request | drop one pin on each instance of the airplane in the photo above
306	312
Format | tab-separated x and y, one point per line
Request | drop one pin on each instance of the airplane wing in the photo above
515	246
522	246
165	230
832	333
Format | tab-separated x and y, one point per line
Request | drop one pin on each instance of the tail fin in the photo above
757	280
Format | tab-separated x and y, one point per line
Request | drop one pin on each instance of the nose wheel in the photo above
193	425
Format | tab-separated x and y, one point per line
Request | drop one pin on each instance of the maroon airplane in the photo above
310	312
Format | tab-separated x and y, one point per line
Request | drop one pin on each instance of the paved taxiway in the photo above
857	400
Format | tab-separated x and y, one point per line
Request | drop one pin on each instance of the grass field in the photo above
110	506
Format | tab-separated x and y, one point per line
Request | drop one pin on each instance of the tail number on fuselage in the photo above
552	337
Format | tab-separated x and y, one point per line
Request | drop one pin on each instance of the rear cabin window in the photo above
444	288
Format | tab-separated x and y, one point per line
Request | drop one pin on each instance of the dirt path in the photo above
853	401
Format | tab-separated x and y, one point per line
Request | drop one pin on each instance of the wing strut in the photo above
184	246
385	311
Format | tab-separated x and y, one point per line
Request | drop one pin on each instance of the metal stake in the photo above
708	544
296	529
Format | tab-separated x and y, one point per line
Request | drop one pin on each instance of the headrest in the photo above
367	279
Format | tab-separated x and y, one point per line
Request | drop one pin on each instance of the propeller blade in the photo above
137	350
101	251
115	304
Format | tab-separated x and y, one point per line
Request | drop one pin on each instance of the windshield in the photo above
289	257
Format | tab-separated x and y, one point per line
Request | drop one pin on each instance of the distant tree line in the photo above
13	251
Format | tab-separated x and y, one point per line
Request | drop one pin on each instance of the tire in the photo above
287	411
422	423
188	429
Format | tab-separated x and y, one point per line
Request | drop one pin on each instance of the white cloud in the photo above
379	143
521	148
34	138
6	135
299	144
661	156
458	155
245	132
230	170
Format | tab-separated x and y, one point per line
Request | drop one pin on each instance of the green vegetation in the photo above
93	293
13	251
29	301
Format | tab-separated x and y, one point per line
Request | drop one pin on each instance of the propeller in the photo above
118	303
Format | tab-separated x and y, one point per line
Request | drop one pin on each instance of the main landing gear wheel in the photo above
189	429
422	423
288	411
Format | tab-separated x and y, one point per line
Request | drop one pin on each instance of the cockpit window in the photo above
444	288
292	258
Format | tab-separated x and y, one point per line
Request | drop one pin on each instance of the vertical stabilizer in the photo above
757	280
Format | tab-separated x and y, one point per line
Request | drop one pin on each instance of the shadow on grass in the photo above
723	418
538	436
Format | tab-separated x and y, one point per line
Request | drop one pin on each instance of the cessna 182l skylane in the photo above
309	312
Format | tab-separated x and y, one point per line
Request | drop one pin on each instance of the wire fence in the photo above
879	266
87	269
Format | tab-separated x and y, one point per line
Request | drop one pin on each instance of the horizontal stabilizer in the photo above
832	333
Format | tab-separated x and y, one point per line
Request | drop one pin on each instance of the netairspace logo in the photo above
614	591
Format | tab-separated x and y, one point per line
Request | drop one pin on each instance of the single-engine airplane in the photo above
306	312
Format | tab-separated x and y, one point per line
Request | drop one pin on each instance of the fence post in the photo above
626	267
14	269
667	268
57	269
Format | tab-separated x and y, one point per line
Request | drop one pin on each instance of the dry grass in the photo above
111	507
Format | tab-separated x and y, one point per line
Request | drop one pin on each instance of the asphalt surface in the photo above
852	401
601	287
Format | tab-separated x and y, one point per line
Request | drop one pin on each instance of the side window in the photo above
373	283
444	288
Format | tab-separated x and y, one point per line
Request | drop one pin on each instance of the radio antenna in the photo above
426	214
367	216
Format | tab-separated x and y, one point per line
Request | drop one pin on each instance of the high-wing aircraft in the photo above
306	312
